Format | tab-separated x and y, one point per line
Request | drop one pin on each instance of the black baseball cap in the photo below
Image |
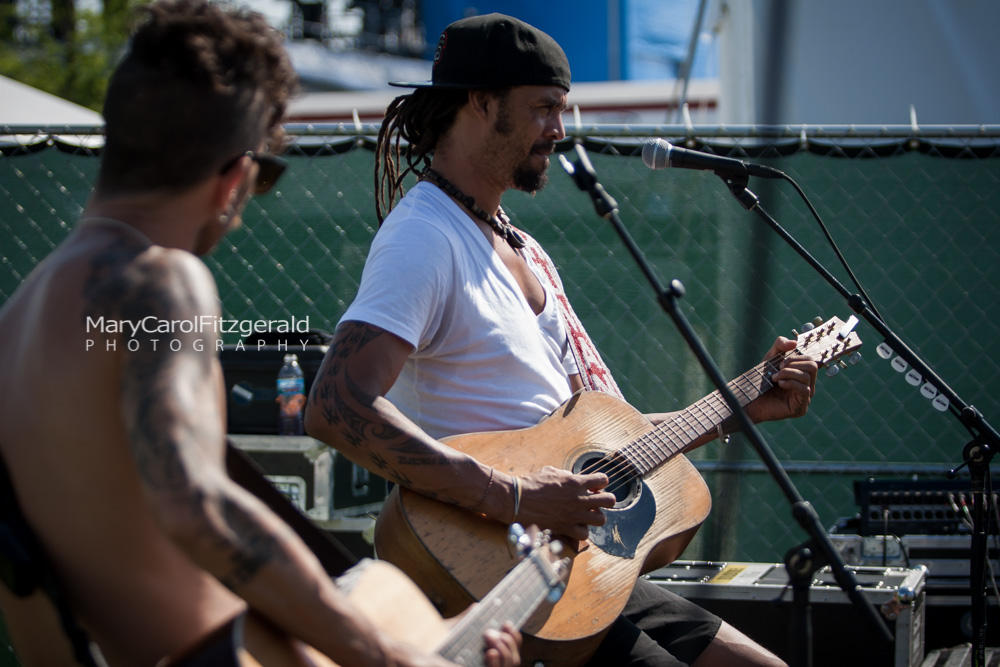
495	51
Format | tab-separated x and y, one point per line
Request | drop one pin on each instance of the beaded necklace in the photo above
500	224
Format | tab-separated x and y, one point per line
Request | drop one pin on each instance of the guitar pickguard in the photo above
625	527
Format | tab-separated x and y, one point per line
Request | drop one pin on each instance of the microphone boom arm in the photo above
802	561
976	454
971	418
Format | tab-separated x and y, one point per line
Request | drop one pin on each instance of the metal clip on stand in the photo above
802	561
976	454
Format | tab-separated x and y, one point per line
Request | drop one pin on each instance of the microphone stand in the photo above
976	454
803	561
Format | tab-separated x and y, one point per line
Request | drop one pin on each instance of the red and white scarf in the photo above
593	371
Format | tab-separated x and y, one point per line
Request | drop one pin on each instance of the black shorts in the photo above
656	627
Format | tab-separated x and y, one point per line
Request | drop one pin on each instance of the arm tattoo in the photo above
162	416
344	403
121	288
253	547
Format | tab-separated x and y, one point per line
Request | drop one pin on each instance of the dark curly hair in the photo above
200	84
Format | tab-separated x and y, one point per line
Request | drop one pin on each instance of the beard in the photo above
525	177
529	179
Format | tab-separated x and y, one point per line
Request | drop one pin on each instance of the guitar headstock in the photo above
545	553
829	341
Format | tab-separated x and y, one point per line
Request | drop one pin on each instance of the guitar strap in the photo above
593	371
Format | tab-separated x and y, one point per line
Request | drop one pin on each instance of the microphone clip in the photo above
737	184
583	174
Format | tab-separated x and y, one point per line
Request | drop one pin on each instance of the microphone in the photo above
660	154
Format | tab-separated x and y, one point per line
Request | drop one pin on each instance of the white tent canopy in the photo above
21	104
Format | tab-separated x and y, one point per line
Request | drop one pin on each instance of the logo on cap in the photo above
439	51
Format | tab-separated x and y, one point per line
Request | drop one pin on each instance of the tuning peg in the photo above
817	321
913	377
898	364
524	543
884	350
854	358
556	547
518	540
832	370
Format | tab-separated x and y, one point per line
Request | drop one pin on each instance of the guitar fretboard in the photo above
823	344
673	436
514	599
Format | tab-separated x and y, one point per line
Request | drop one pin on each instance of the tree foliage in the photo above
67	52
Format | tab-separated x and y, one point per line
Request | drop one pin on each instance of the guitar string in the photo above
653	440
638	459
650	447
525	578
686	424
667	432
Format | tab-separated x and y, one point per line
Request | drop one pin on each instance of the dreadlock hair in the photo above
419	119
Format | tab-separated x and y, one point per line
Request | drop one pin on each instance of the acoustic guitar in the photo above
388	598
456	556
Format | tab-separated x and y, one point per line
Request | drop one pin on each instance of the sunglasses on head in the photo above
269	169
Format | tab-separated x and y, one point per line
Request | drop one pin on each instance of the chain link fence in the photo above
915	212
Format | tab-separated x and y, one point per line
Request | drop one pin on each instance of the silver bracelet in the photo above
517	498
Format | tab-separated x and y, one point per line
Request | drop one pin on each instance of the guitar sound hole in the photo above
624	482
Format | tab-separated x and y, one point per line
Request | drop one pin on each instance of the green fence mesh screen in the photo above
916	213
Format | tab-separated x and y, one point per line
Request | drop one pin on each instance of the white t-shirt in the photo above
483	360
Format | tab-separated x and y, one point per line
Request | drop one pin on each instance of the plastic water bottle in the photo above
291	397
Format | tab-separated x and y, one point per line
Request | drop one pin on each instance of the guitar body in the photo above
457	556
379	591
382	594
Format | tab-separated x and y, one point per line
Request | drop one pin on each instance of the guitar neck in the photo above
514	599
672	437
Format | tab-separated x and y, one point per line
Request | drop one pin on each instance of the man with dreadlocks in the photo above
460	324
